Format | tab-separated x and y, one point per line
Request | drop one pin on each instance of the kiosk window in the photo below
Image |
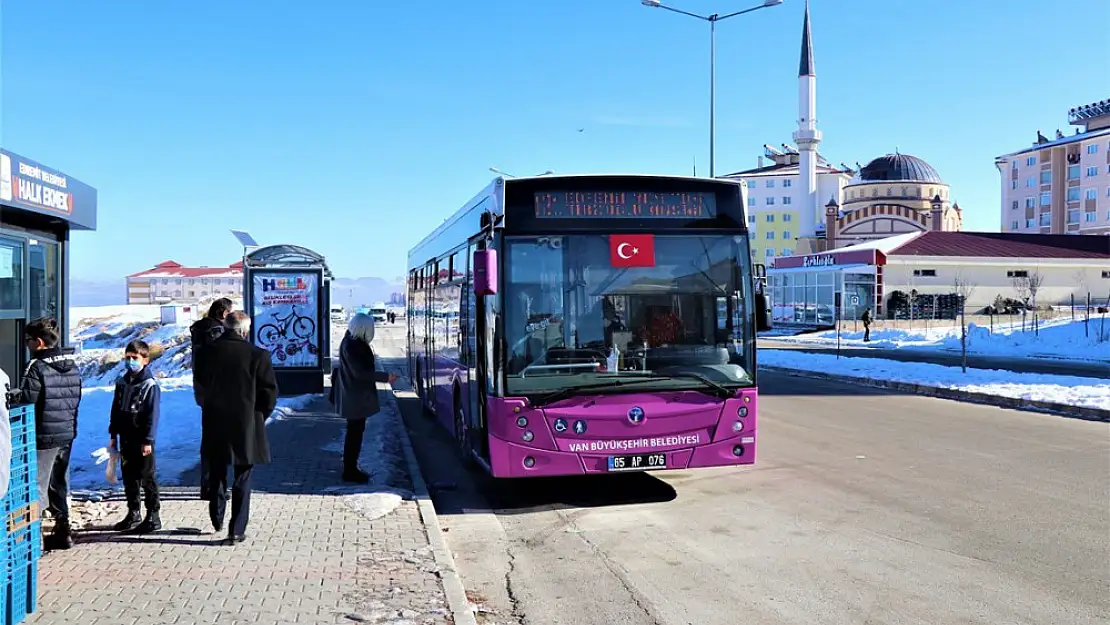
44	261
11	275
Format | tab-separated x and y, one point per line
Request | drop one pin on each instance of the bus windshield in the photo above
673	309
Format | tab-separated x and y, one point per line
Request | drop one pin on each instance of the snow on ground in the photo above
1056	339
383	457
1070	390
103	332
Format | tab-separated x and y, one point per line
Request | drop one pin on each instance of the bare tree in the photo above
1021	288
1035	279
1027	287
1079	278
964	288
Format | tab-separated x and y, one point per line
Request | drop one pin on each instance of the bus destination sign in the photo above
624	205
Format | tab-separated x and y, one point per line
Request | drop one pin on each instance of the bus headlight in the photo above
738	450
522	422
528	436
529	462
738	426
742	411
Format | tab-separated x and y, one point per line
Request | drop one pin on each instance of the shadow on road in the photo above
776	384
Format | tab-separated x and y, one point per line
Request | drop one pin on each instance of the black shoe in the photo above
217	524
356	475
62	536
235	539
152	523
129	522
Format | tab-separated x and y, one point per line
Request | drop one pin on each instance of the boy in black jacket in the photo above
135	421
53	384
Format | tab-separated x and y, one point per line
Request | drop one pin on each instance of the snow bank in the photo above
1071	390
103	332
1068	339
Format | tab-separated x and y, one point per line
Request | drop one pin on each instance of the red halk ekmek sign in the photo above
632	250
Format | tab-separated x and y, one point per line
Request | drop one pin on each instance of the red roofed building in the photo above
928	266
170	281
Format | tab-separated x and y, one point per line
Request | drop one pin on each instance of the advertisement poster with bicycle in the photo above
284	317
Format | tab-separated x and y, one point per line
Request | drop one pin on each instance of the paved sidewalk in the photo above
317	551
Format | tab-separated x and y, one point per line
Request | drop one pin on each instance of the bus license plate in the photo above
638	462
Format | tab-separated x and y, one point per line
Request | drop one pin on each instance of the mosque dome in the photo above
898	168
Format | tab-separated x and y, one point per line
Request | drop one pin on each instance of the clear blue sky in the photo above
354	127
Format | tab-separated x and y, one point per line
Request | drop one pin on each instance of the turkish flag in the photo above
632	250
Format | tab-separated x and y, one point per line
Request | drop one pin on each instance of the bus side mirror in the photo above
485	272
762	313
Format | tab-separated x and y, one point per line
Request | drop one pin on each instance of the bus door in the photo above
471	326
428	364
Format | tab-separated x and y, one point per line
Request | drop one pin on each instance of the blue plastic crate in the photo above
23	473
24	463
20	495
21	517
24	545
22	592
22	420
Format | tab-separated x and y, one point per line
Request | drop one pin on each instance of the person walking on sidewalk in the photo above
203	333
866	319
356	391
134	420
53	384
240	392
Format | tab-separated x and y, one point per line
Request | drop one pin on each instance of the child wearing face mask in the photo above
134	421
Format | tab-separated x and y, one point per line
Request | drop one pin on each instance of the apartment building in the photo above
170	281
1061	185
775	201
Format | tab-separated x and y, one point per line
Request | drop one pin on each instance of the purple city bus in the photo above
565	325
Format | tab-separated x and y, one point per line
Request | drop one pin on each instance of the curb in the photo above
452	583
1066	410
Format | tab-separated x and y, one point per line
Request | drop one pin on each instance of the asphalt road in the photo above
864	507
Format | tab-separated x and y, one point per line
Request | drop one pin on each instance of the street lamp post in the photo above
501	173
712	19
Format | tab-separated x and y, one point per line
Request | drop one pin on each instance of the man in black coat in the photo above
203	333
240	392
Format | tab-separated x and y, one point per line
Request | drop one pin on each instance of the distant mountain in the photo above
97	292
354	292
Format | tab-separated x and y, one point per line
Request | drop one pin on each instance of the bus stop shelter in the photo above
288	291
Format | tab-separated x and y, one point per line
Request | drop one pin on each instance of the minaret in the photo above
807	137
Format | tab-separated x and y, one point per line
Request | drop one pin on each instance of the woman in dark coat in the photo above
356	390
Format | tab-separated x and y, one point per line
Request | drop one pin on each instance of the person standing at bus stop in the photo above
356	392
204	333
240	393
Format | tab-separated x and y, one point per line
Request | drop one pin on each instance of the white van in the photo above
338	314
